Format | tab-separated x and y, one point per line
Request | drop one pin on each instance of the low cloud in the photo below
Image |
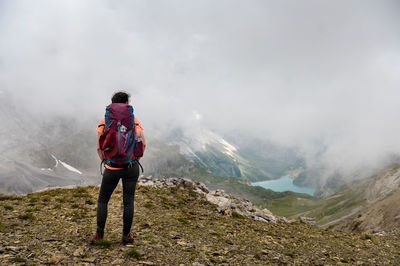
319	75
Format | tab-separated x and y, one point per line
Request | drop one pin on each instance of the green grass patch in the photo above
46	198
149	205
4	197
57	207
8	207
60	200
134	254
26	216
183	220
18	259
163	199
190	250
290	254
55	192
103	243
367	236
237	215
289	206
344	261
33	200
192	193
89	202
2	228
81	190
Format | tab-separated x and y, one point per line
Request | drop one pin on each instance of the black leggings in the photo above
110	181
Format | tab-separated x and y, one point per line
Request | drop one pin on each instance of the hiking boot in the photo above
127	239
98	236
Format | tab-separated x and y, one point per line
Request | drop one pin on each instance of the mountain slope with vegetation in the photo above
166	161
239	155
370	204
172	225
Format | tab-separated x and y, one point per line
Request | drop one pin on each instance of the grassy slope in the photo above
217	162
171	226
323	210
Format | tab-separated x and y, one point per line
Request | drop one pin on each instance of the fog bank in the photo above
320	75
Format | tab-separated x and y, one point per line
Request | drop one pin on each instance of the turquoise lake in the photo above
284	183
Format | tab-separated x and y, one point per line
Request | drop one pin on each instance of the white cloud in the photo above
297	72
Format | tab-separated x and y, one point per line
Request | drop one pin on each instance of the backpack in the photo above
118	141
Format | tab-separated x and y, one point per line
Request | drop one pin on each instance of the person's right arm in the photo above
99	130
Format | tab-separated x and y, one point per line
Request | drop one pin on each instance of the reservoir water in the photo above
284	183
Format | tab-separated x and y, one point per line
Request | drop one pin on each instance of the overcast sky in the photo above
297	72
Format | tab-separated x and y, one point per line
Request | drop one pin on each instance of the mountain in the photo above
164	160
378	198
369	204
252	159
173	225
41	152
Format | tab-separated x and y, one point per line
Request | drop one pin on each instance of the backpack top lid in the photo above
119	113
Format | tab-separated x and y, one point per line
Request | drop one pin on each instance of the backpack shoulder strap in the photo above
132	116
106	118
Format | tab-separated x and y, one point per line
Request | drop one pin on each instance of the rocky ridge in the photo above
227	204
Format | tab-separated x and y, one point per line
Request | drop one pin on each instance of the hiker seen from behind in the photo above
120	145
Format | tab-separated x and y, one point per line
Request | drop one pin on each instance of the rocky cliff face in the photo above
175	223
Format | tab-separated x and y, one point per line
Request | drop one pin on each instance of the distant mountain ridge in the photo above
250	159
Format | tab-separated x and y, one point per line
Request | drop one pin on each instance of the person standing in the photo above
118	133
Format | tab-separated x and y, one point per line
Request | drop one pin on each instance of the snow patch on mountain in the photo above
54	157
67	166
229	148
197	139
